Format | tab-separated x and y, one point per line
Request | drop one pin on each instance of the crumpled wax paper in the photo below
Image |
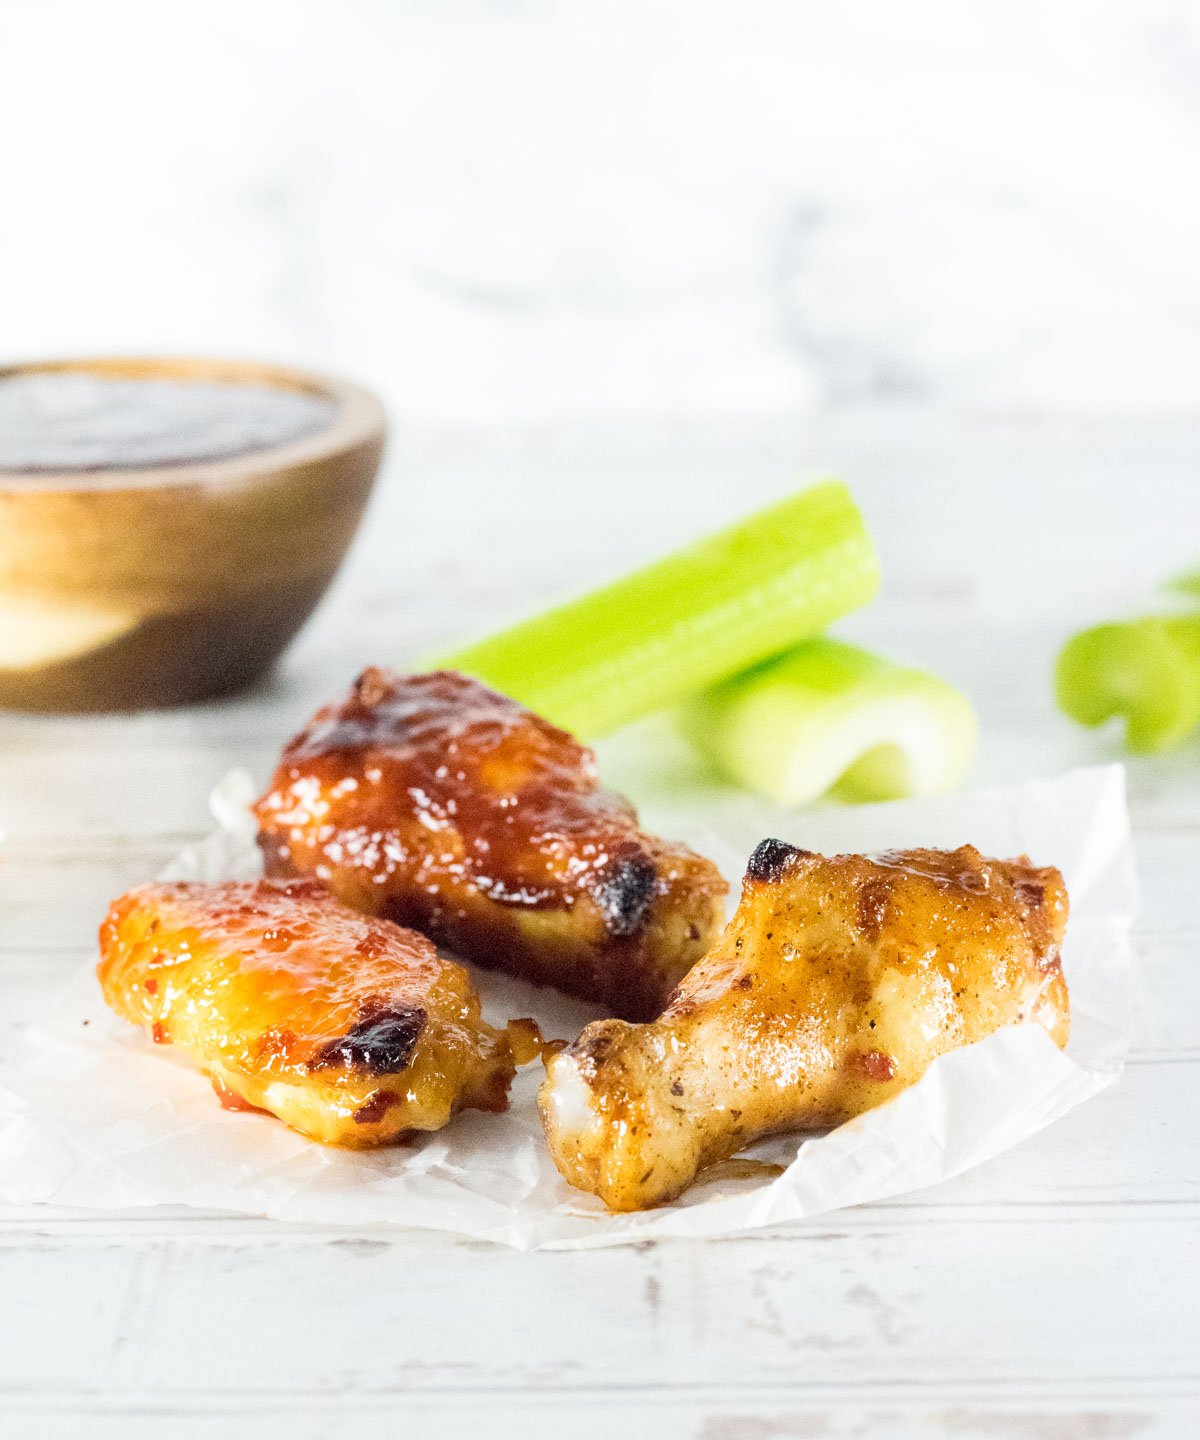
93	1115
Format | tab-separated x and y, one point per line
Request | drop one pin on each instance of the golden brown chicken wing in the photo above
435	801
353	1031
834	986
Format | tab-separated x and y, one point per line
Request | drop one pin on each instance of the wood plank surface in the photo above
1052	1293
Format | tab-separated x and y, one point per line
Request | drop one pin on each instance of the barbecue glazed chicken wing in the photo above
352	1031
834	986
443	805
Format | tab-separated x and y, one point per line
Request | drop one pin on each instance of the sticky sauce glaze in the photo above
836	985
350	1029
515	802
448	807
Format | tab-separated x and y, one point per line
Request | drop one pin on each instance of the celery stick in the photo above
1187	583
666	632
1146	671
827	716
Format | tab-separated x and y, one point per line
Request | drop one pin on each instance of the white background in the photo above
530	211
621	271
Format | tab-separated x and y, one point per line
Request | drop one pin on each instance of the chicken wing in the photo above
443	805
351	1030
834	986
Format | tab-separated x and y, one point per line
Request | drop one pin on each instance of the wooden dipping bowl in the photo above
122	589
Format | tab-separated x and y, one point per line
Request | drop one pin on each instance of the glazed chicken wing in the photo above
834	986
443	805
351	1030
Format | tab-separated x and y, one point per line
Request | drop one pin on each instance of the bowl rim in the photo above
360	420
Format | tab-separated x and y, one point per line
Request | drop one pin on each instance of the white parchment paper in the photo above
92	1115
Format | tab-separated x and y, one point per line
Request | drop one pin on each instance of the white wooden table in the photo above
1052	1293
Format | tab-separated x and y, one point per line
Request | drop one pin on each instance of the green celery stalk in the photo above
1145	671
664	633
829	717
1186	583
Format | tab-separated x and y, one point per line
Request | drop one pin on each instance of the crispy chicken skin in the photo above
834	986
443	805
351	1030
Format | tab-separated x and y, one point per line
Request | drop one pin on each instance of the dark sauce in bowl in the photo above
166	525
58	421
